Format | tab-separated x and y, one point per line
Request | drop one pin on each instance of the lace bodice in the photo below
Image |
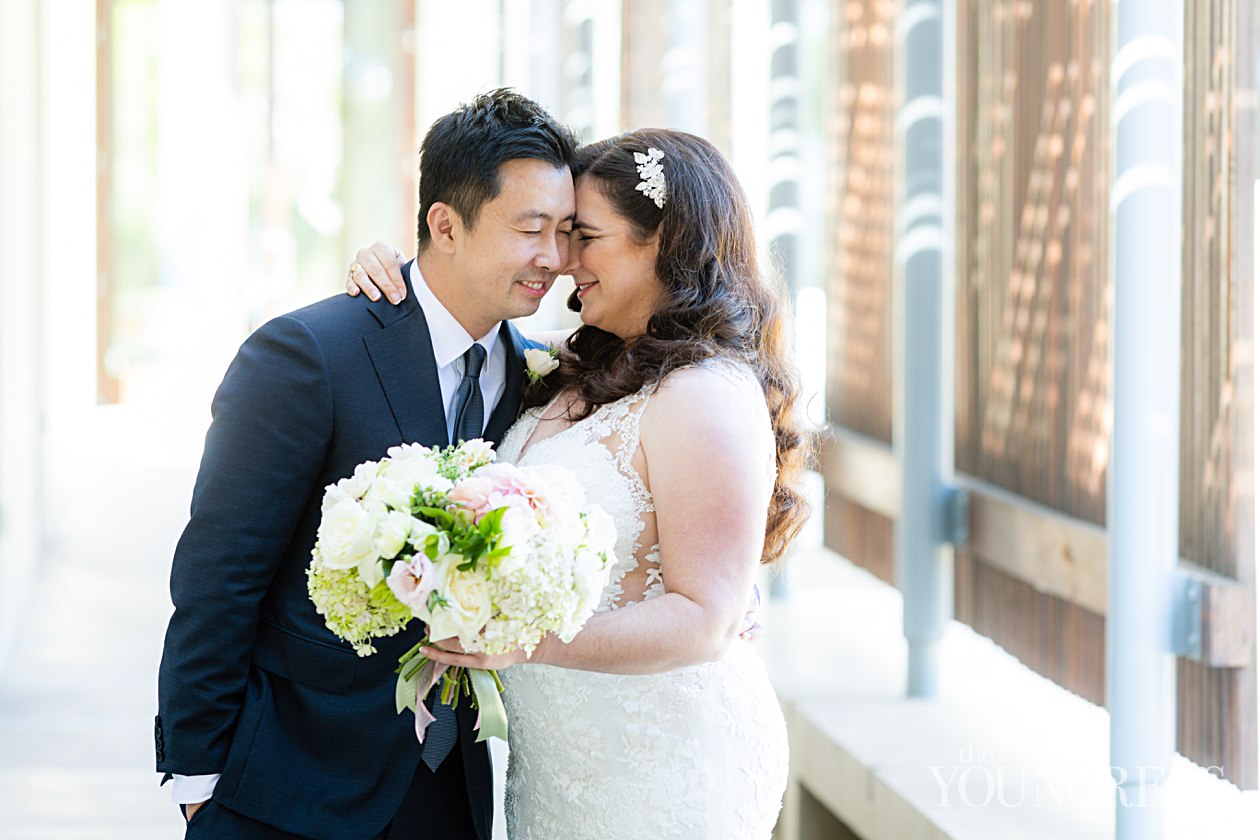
600	449
699	752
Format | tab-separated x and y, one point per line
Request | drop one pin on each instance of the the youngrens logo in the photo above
976	781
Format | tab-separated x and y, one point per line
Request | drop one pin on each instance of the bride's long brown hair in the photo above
717	303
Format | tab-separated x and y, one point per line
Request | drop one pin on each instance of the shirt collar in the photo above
450	339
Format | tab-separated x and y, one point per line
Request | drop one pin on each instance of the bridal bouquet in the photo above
490	553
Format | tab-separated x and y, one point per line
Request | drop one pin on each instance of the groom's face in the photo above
510	258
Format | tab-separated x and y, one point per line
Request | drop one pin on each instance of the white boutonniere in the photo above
539	363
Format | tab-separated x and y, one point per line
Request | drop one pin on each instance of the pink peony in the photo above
511	486
473	495
495	486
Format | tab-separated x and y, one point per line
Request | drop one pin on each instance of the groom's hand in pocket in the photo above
192	808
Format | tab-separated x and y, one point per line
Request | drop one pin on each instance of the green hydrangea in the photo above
352	610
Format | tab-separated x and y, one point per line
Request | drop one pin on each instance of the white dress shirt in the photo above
450	342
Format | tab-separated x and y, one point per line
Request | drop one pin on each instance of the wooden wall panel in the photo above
1055	638
860	210
1032	398
1033	390
861	535
1217	706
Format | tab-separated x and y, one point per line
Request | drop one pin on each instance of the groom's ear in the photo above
442	221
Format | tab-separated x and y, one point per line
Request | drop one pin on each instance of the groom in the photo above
272	727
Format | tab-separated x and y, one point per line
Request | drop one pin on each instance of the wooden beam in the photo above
1055	554
860	469
1226	627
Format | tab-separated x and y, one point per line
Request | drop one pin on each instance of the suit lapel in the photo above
402	354
509	407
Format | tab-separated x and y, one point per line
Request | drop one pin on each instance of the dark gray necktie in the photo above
442	732
469	413
469	408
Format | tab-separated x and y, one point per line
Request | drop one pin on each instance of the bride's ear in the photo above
442	221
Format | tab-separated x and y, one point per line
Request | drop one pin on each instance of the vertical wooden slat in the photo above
1243	245
1032	394
643	40
859	389
860	247
107	385
1217	709
719	75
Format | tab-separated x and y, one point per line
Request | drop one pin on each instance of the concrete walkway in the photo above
78	690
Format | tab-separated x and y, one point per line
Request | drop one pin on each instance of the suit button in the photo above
161	755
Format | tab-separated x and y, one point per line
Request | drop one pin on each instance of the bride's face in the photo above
615	275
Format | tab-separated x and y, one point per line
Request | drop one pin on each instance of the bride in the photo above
674	406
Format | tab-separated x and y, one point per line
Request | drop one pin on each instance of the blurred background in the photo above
173	174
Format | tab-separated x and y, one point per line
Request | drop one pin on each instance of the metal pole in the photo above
919	417
783	221
1143	490
783	211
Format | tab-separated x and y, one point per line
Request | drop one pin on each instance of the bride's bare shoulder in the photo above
715	400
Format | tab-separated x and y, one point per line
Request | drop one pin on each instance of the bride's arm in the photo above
707	448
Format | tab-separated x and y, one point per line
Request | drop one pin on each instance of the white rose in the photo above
467	607
404	451
371	572
392	533
358	484
396	494
347	535
478	451
539	362
334	495
411	464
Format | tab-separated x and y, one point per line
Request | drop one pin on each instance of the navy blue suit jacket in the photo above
252	685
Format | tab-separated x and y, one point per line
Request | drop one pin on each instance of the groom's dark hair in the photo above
462	152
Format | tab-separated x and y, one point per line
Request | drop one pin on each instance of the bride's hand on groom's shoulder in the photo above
450	652
376	269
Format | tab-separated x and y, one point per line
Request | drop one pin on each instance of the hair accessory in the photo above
653	183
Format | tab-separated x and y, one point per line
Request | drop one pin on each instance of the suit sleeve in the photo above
264	452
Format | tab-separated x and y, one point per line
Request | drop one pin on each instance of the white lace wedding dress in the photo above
699	752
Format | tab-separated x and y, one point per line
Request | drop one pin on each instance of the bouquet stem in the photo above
417	675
